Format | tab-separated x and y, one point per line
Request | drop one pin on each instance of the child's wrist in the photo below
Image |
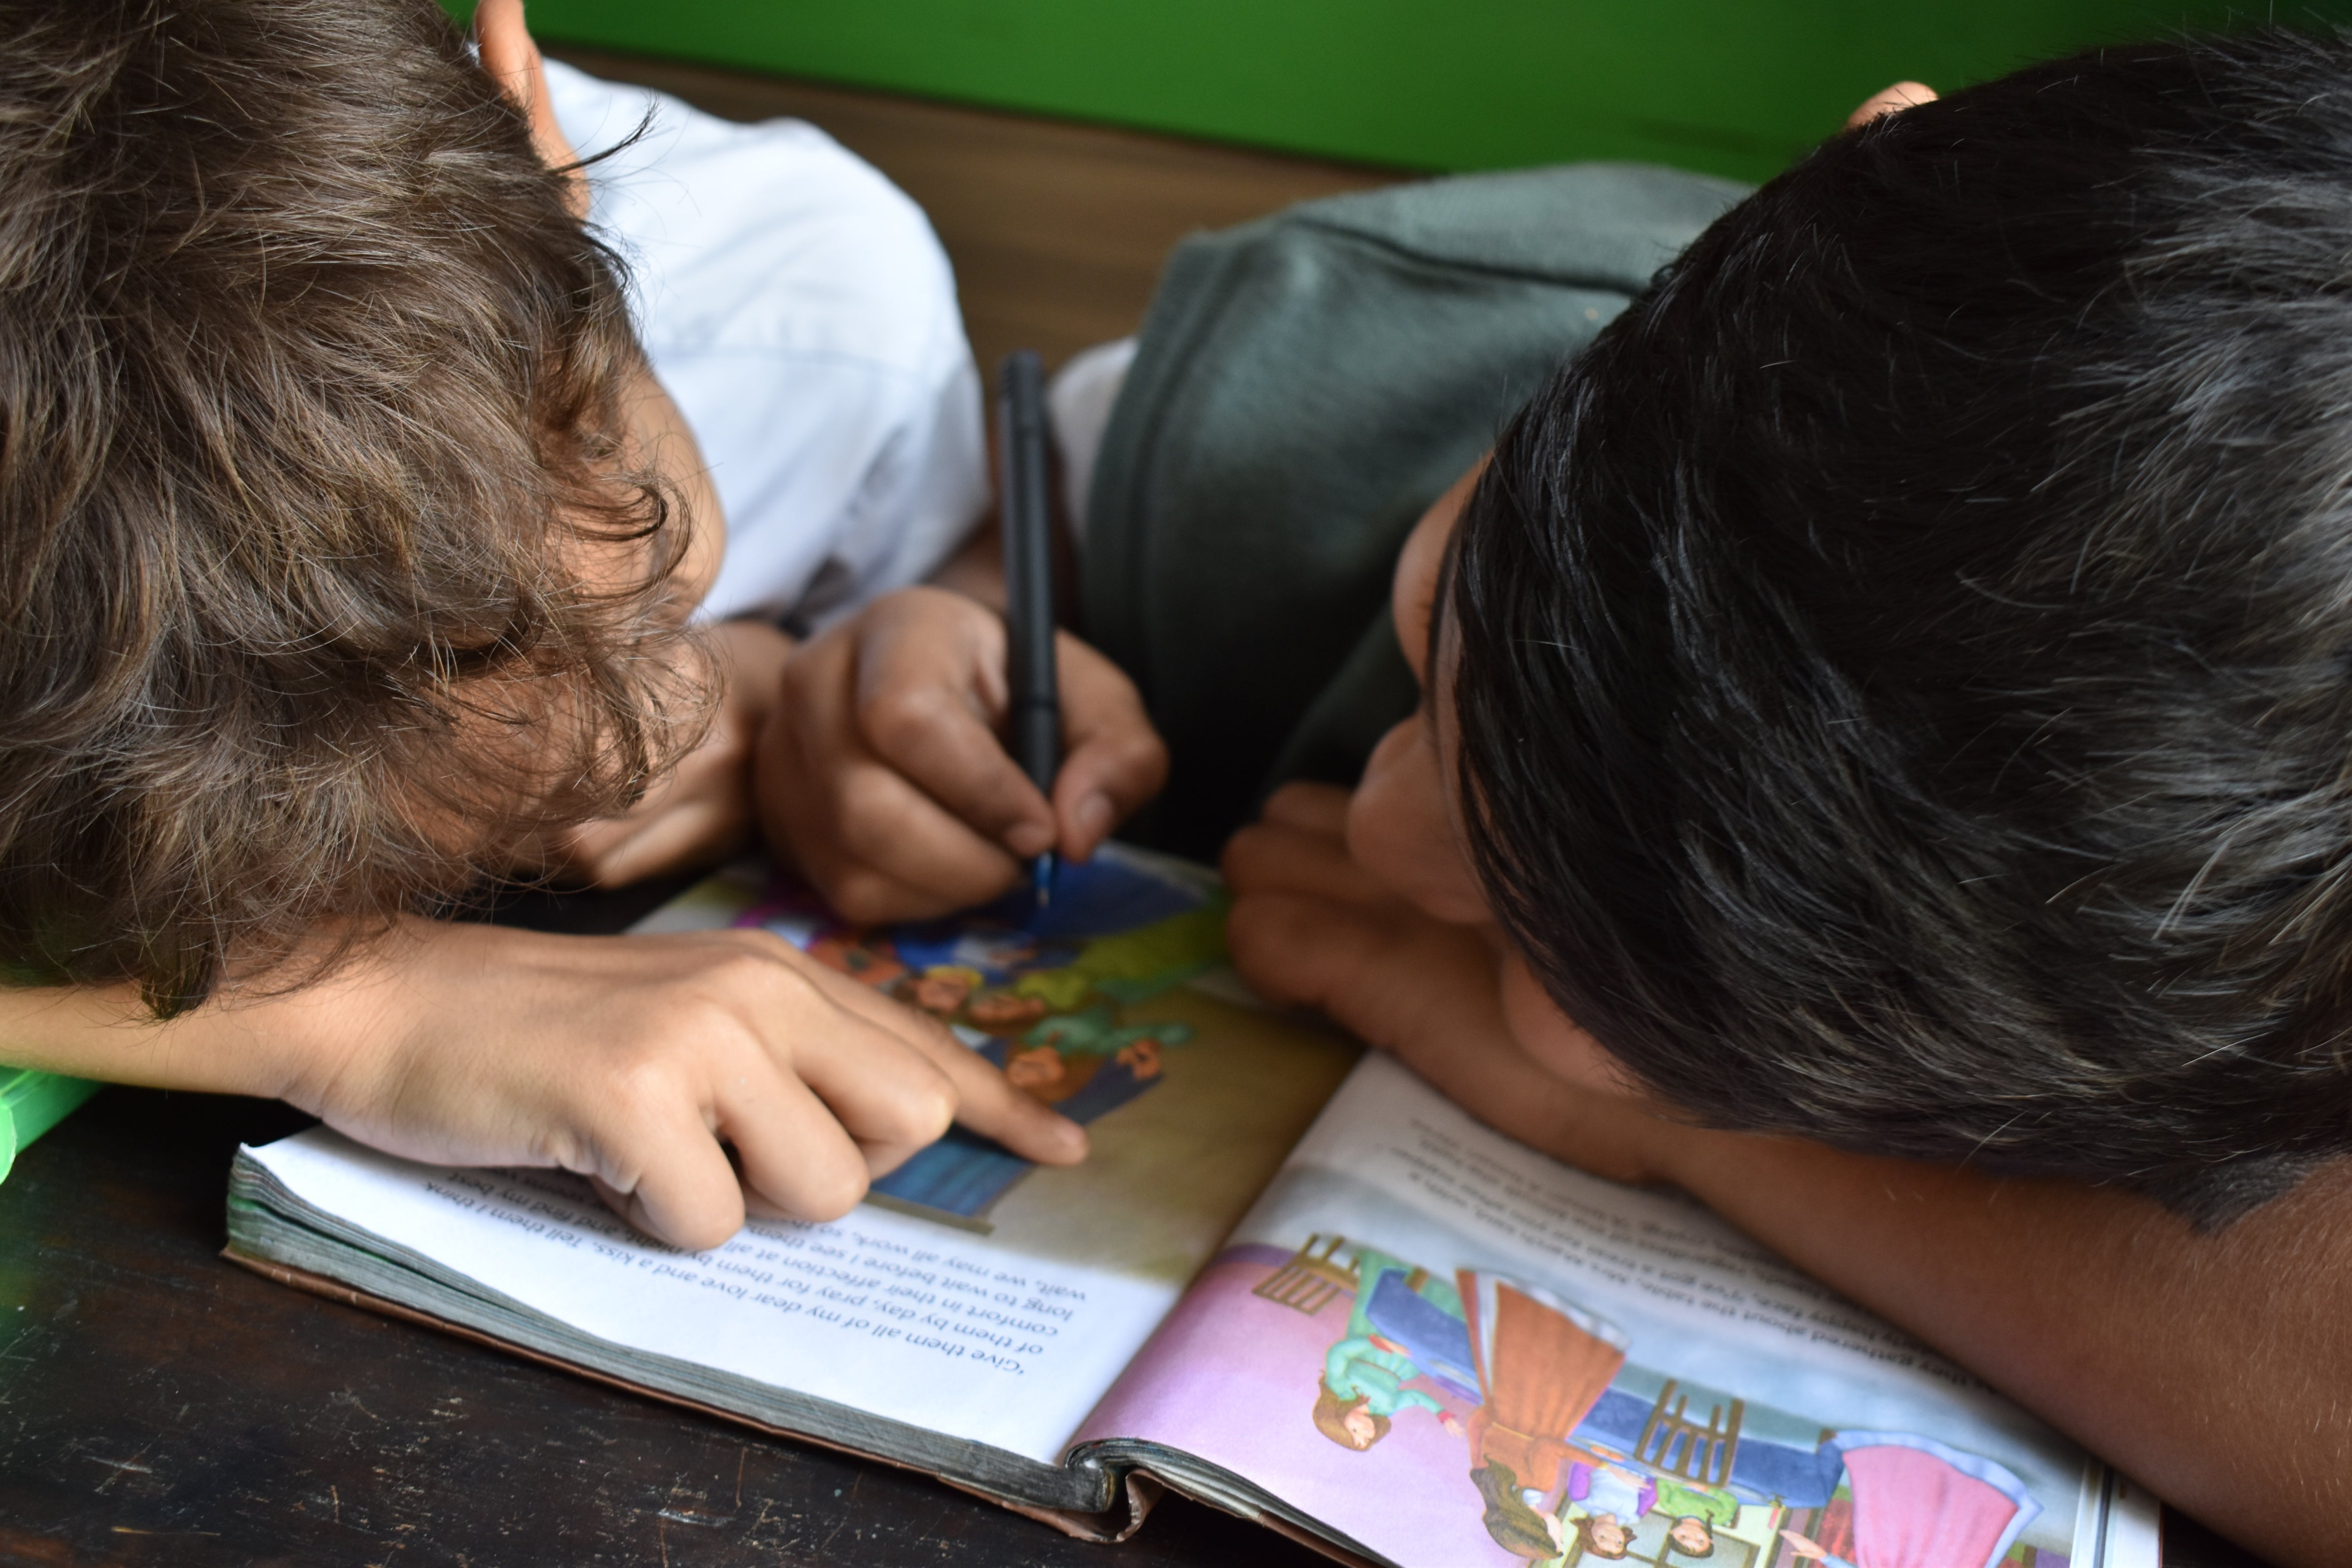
316	1041
106	1032
751	656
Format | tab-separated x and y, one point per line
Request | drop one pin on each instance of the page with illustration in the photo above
974	1295
1453	1350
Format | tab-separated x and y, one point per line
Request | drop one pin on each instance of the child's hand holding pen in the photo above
883	773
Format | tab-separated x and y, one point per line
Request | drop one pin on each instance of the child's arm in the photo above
2207	1367
640	1062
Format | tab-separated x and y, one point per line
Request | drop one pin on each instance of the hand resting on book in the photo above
1312	926
690	1076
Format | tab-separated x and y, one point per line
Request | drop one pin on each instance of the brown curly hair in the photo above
313	476
1331	1414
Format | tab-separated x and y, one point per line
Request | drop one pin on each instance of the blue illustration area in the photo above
1102	897
964	1174
1033	989
1761	1470
961	1174
1438	1341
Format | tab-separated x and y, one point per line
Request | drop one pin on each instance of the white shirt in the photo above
801	312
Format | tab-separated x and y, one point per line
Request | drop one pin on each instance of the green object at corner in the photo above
33	1102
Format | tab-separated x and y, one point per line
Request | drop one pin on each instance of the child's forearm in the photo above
104	1032
2211	1367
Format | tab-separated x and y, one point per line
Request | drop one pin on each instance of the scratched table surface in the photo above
161	1405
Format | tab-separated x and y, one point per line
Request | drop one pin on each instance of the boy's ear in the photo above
513	62
1886	100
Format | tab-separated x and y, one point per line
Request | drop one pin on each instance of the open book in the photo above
1291	1282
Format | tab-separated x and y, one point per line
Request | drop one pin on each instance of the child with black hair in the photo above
1872	739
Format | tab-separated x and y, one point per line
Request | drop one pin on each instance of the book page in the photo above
878	1312
974	1295
1456	1350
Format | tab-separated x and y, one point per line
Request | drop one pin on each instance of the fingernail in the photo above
1028	839
1094	815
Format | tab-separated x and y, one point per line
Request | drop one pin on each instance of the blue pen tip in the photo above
1041	873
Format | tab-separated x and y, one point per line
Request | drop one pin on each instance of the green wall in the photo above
1735	86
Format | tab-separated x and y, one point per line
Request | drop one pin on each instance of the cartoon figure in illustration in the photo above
1603	1535
1086	1063
1603	1503
1515	1523
859	956
1003	1012
942	990
1693	1534
1920	1504
1362	1388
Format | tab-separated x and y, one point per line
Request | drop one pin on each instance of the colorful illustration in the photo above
1498	1421
1041	990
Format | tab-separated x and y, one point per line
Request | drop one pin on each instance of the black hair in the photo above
1905	666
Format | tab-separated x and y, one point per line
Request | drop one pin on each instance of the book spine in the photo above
33	1102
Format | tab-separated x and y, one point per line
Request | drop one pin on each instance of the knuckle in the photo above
832	1192
745	973
756	966
864	829
1245	855
927	1111
862	899
645	1081
1247	925
902	715
1268	938
809	671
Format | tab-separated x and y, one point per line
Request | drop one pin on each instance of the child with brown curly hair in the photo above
353	549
